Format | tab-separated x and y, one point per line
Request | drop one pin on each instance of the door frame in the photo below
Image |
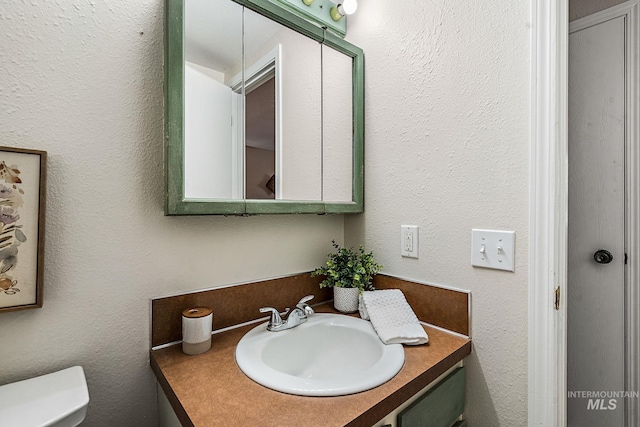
548	206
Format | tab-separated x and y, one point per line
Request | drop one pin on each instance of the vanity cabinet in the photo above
439	407
440	404
209	389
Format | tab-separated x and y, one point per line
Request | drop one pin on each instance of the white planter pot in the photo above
346	300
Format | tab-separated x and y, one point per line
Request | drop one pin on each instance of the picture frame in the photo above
23	174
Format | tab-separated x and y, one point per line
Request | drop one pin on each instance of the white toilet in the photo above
59	399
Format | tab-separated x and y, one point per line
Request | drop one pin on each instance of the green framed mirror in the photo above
264	112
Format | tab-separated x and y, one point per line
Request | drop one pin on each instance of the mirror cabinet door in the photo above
263	112
213	101
337	125
283	148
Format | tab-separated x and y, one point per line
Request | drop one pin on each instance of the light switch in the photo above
493	249
409	241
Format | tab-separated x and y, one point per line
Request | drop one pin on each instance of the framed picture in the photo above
22	213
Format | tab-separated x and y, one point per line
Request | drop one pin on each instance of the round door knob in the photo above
603	256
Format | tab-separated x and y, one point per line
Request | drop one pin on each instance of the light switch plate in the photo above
409	241
493	249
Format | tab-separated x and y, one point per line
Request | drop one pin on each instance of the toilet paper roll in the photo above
196	330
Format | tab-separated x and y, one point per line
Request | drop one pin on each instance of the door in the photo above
596	283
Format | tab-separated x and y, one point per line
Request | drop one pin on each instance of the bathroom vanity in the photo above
210	389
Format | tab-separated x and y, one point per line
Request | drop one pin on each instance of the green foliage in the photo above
348	268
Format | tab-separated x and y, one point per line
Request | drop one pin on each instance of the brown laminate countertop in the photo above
210	390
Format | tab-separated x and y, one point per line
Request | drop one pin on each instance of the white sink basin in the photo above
329	355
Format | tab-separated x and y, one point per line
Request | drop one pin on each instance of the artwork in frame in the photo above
22	213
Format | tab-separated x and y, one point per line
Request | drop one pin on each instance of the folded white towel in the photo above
392	317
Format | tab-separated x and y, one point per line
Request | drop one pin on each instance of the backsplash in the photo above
232	305
446	308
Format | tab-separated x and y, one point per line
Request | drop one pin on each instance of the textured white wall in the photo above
83	81
447	149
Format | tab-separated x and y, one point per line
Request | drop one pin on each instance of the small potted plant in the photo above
349	272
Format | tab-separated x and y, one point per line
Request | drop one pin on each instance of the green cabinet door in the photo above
439	407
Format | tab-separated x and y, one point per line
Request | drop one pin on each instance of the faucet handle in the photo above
276	319
305	299
302	305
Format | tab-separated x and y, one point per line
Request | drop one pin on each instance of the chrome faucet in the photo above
298	316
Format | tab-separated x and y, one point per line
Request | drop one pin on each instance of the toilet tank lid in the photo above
43	400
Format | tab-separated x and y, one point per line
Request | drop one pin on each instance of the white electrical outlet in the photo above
409	241
493	249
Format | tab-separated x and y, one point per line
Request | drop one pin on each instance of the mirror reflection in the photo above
213	101
267	112
252	123
337	126
283	145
